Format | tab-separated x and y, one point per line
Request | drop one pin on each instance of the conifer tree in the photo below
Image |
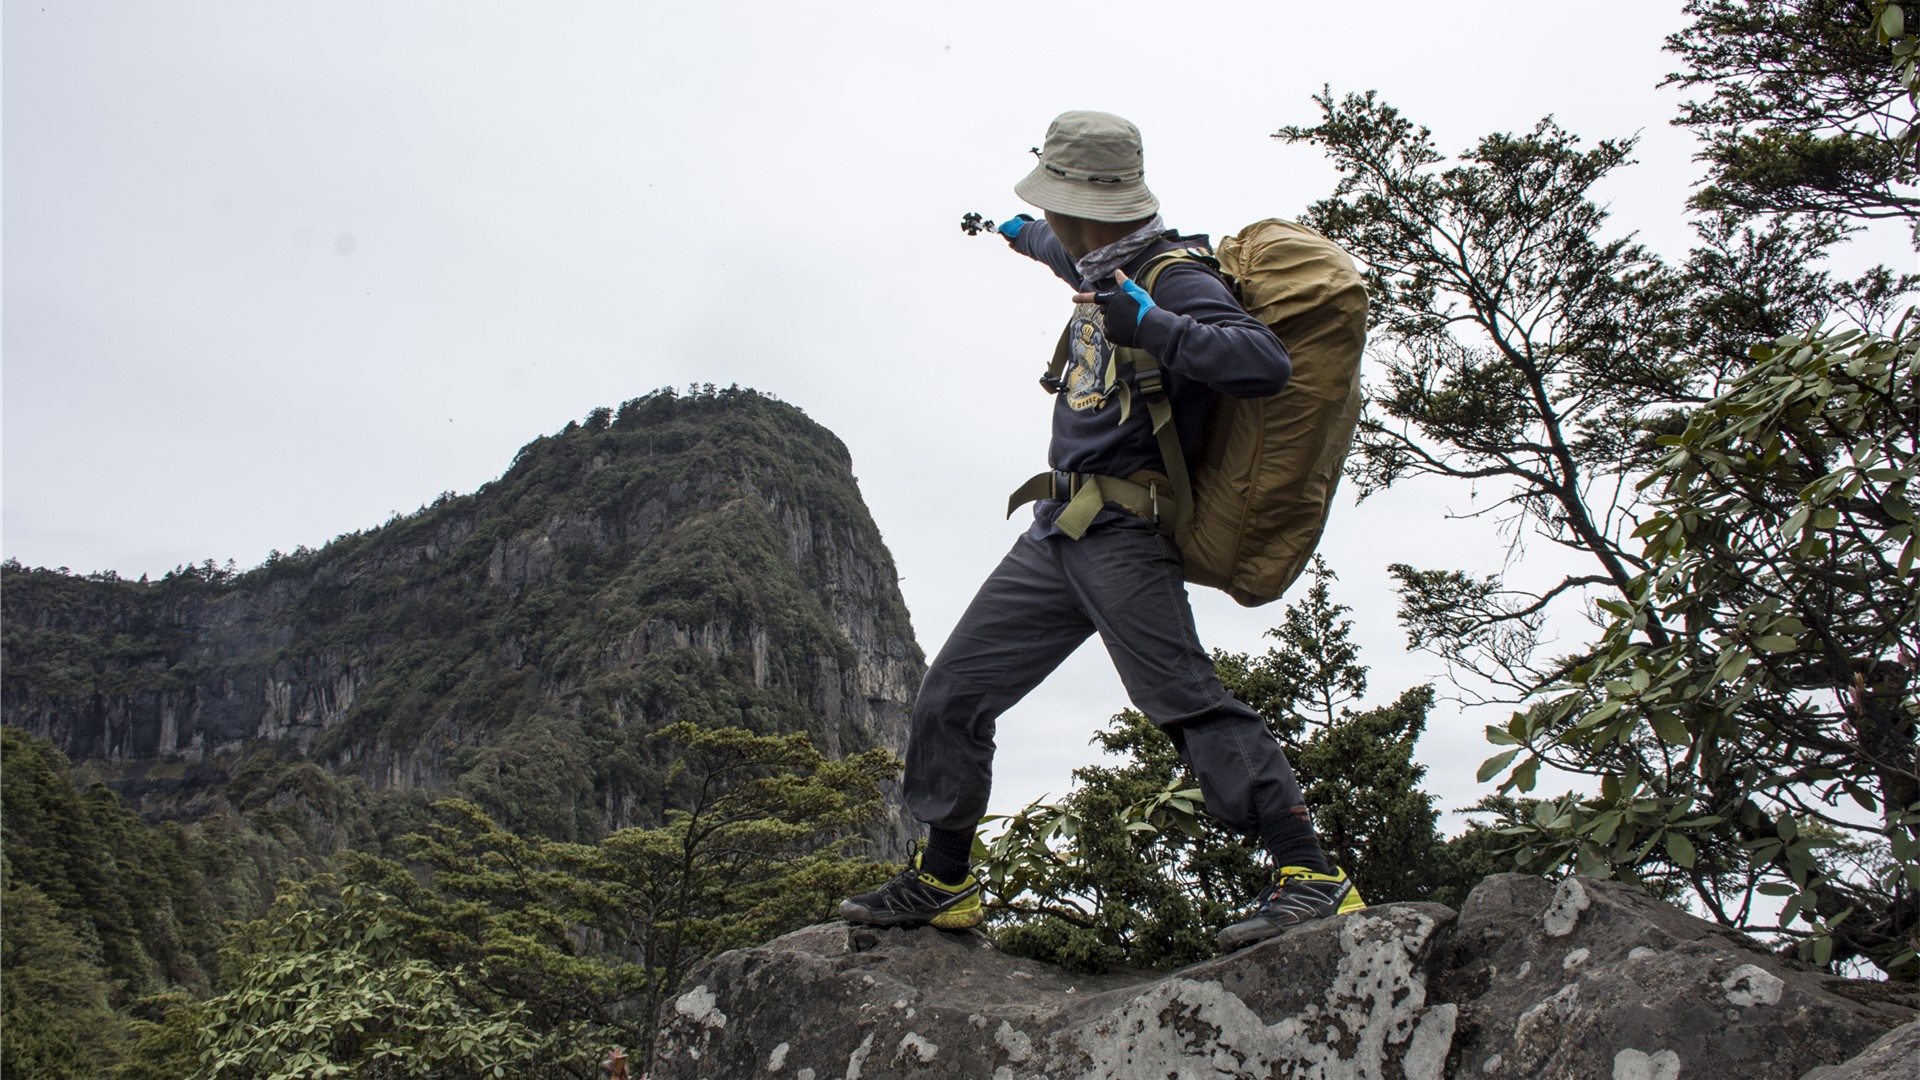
1805	106
55	1019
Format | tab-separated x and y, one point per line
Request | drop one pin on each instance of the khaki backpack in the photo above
1250	507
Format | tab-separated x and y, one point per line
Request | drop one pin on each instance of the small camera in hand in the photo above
974	224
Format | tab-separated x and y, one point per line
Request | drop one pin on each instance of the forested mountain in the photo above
702	557
477	785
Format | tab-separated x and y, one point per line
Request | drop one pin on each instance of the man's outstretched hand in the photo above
974	225
1121	307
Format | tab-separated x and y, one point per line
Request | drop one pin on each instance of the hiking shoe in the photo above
1299	896
917	898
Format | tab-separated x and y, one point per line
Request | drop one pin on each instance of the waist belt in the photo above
1086	493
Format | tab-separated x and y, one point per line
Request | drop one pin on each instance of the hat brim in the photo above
1127	201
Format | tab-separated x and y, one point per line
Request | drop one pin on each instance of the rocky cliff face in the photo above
703	557
1579	980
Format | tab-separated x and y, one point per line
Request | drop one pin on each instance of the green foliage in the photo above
1128	869
1524	353
1743	507
70	639
587	941
327	988
55	1021
136	896
476	949
538	773
113	925
1481	850
1318	668
166	1039
1514	344
1362	786
1809	105
1751	711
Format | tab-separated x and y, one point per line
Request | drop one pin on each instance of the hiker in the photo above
1100	555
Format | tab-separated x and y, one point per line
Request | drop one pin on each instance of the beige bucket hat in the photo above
1091	167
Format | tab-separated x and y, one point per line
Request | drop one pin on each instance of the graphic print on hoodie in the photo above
1087	351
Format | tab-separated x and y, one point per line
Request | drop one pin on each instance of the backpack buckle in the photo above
1148	383
1051	383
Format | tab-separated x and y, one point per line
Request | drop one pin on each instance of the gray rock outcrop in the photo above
1596	978
1584	979
1895	1057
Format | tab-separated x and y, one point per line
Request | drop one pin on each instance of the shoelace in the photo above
1278	887
1276	895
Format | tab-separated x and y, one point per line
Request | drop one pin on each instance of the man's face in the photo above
1073	233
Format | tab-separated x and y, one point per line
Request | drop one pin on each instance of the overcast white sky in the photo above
275	271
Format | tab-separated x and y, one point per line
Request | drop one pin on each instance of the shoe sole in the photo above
959	920
1232	942
1228	941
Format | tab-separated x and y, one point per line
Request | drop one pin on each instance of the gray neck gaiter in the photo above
1097	266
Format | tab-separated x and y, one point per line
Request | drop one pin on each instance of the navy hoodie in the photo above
1205	343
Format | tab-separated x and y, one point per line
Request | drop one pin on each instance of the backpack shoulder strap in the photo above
1153	392
1198	253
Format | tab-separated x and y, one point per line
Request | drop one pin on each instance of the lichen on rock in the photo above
1631	989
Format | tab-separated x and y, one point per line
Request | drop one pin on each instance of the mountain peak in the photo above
701	555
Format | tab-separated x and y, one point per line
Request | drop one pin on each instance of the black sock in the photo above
948	854
1290	841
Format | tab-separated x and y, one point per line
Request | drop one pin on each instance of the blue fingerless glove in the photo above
1011	227
1123	309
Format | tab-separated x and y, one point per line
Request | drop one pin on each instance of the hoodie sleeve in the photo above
1198	330
1037	242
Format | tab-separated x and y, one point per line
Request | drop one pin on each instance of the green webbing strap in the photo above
1152	391
1077	516
1092	493
1036	488
1117	386
1160	412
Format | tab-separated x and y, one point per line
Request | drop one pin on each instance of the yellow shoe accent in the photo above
917	898
1298	896
965	914
962	915
1350	901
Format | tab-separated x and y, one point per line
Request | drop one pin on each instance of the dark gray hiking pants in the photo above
1124	581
